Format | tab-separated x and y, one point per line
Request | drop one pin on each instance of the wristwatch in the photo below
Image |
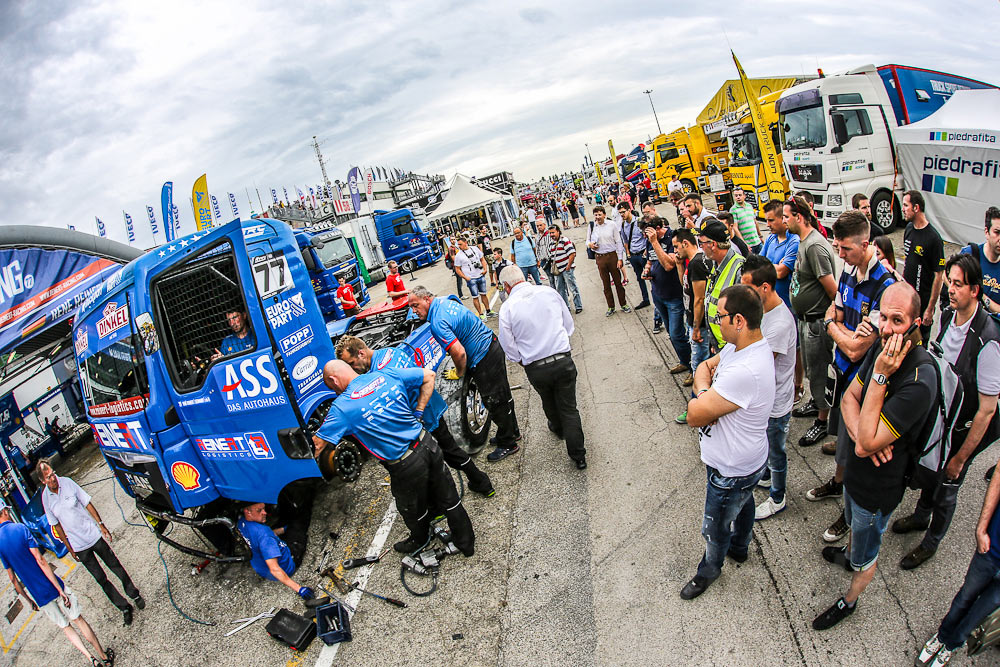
827	322
878	378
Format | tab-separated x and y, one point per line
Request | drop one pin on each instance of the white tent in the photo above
953	157
465	197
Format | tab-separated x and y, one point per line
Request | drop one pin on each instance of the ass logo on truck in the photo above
186	475
251	384
281	313
235	446
114	319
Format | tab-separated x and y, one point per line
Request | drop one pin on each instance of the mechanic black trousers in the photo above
458	458
491	379
421	481
89	559
555	383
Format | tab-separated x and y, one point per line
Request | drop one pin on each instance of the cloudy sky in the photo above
104	101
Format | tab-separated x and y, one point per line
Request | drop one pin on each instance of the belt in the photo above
423	433
549	359
809	318
604	254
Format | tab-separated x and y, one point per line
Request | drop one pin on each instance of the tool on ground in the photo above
352	563
355	587
247	622
196	568
336	599
337	580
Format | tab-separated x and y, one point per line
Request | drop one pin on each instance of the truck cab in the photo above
328	256
404	242
745	158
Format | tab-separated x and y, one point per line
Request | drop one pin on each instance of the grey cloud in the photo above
536	15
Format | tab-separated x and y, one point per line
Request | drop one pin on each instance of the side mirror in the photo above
775	136
307	258
840	128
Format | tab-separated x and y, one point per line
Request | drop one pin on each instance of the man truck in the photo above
745	159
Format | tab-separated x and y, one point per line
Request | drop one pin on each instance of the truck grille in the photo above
752	199
348	274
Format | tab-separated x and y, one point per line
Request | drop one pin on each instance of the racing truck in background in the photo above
191	433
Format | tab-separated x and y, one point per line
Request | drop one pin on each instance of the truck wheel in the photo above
342	461
467	417
407	267
885	212
687	186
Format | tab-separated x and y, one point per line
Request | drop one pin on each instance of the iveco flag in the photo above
232	202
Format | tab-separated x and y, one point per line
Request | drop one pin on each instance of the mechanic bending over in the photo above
375	409
362	359
273	557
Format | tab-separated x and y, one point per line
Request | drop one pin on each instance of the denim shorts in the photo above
477	286
866	533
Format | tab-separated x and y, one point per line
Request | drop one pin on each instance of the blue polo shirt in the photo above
265	545
782	252
858	301
451	321
233	344
15	542
398	357
375	409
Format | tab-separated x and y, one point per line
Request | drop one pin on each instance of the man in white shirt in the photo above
780	332
470	267
535	326
605	240
75	521
675	185
734	395
696	210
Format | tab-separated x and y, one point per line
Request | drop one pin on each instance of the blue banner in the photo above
169	211
100	227
274	195
216	210
177	221
10	416
152	221
232	202
129	227
352	182
288	202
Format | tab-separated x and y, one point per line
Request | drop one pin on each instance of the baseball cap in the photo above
4	506
714	230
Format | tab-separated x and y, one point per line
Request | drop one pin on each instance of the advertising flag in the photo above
768	153
177	220
152	221
352	182
167	208
274	195
216	209
614	161
129	227
100	227
298	191
72	227
199	204
371	179
232	202
288	202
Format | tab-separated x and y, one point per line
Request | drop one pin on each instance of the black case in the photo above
292	629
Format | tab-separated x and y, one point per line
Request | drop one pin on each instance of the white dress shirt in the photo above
534	323
608	238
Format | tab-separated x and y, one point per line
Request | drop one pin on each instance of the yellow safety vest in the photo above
721	278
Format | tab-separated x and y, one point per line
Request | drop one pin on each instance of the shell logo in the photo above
186	475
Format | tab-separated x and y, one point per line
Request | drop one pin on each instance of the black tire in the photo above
886	215
407	267
467	417
688	186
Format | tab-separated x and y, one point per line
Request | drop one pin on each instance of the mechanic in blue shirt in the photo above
473	347
362	359
241	339
375	409
34	580
272	557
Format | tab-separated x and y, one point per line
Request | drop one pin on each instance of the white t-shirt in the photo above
468	260
778	327
530	214
736	445
675	185
988	369
68	508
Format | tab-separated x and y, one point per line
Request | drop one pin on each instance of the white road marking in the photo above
329	653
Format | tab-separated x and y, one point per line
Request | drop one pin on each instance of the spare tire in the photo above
467	417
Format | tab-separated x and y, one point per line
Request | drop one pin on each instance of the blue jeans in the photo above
476	286
777	460
866	533
978	596
699	351
728	522
672	314
638	262
532	272
565	282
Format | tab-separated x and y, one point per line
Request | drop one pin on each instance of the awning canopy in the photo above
463	196
729	98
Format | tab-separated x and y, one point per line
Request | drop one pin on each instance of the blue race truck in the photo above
404	242
197	410
328	256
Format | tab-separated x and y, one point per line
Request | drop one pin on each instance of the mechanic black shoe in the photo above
807	410
484	489
468	553
695	587
835	614
815	433
127	615
139	602
739	558
642	304
581	464
837	556
556	430
493	440
916	558
909	524
500	453
408	546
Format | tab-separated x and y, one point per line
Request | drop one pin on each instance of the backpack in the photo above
936	433
513	241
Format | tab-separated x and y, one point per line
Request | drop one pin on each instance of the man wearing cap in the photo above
75	521
713	237
34	580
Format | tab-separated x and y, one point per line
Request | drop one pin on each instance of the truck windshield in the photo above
334	251
403	227
803	128
744	150
667	153
112	376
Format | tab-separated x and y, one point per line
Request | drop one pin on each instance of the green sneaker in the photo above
682	418
626	308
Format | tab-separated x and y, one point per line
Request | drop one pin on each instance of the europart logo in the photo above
941	185
982	137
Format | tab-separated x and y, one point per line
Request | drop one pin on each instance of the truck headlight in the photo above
835	200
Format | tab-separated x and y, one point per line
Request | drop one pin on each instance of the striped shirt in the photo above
746	220
858	297
560	253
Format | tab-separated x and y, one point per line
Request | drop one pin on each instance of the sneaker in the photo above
688	380
943	657
909	524
490	313
815	433
682	418
837	556
769	508
835	614
579	310
837	529
407	546
611	311
464	297
483	317
916	558
829	448
642	304
626	308
657	327
493	440
139	602
832	489
500	453
127	615
678	369
807	410
928	652
765	481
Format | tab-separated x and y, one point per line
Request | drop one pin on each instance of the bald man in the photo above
375	409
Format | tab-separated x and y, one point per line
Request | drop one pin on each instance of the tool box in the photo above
291	629
333	625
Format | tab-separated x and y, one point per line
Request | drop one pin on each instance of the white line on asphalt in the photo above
329	653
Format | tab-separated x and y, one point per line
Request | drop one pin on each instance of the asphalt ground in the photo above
571	567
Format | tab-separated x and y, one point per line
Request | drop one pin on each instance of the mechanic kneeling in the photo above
273	557
362	359
374	408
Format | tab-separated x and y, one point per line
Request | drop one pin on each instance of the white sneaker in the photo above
928	652
769	508
764	483
942	658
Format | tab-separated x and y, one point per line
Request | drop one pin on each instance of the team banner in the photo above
129	228
352	182
370	180
768	152
167	208
274	195
288	202
232	202
177	221
152	222
199	202
100	228
216	209
40	287
614	161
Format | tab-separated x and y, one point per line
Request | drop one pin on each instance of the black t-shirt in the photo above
698	269
924	252
909	400
484	241
666	284
741	245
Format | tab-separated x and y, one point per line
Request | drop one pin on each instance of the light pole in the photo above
649	93
588	153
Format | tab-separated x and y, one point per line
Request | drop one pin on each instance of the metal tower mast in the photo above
322	163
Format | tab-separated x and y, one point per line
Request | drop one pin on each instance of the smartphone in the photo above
910	330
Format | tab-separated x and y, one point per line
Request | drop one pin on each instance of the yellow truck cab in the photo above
684	152
745	159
